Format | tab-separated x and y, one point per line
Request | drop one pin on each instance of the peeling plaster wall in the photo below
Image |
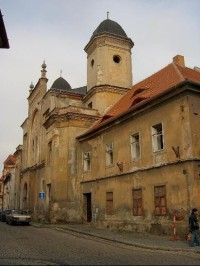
164	167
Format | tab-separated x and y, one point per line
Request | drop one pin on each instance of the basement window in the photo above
157	137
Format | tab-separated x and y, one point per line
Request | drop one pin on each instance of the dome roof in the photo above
61	84
111	27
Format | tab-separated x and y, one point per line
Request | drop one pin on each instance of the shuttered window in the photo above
160	200
137	202
109	203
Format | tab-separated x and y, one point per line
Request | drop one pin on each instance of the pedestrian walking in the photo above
194	228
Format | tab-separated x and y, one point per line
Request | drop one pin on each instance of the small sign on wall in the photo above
41	195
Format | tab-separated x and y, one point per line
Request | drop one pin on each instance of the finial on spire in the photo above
44	65
107	14
31	87
61	73
43	75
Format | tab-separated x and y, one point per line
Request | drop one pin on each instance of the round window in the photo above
116	58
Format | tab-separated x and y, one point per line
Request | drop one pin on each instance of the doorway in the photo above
88	206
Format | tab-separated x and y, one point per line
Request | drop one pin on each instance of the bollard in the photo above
174	226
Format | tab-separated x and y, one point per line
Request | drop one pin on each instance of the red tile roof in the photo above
166	78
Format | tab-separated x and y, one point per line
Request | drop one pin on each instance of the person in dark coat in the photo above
194	228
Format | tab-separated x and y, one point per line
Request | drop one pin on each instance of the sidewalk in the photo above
145	240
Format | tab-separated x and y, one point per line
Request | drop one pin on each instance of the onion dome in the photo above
61	84
44	65
110	27
31	86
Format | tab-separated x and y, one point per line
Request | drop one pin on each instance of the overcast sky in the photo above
58	30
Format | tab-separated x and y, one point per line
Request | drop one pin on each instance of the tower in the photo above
109	67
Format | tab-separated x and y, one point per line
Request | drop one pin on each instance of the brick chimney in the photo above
179	60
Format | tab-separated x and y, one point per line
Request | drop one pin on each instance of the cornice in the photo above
108	39
33	168
69	116
141	169
105	88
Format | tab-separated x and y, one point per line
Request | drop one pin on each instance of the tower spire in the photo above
107	14
43	75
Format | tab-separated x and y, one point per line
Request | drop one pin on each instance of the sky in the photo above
58	30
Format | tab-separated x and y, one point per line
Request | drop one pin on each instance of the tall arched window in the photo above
35	132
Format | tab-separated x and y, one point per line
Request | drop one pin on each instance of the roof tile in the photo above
157	83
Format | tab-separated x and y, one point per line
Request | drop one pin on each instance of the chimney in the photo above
179	60
197	68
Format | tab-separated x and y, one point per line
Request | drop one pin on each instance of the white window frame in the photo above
86	161
157	135
109	154
135	146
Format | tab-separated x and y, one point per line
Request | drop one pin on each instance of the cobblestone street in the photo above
57	246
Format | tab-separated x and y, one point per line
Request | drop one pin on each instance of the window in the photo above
92	62
160	200
86	161
116	59
49	151
157	137
109	154
109	203
135	146
137	202
90	105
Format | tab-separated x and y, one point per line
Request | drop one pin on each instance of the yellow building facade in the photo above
113	153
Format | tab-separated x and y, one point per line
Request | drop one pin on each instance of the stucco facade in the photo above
113	153
173	168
